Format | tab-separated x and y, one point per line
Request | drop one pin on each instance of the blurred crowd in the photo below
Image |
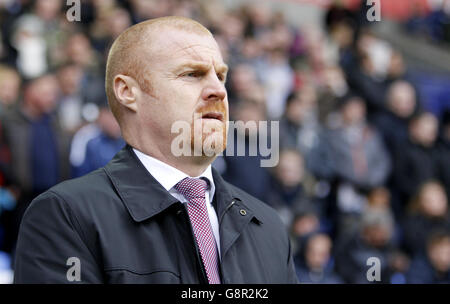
431	21
364	166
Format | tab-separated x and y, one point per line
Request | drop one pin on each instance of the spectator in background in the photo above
191	9
287	186
341	26
360	156
299	125
374	239
260	19
316	264
277	79
428	211
357	158
397	69
333	87
35	35
102	148
401	104
10	82
306	222
251	50
79	143
146	9
433	26
434	267
231	30
245	171
368	76
101	8
33	133
244	85
70	104
39	148
379	200
111	21
416	161
79	51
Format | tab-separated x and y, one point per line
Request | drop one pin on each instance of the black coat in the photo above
124	227
414	165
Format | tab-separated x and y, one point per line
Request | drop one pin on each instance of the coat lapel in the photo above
144	197
141	193
234	215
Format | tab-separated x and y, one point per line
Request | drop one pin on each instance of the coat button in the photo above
243	212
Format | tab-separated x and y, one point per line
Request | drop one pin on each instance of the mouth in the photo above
213	115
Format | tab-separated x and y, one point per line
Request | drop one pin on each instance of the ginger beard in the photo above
209	130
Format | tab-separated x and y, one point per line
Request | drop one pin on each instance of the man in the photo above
39	147
142	218
36	150
106	142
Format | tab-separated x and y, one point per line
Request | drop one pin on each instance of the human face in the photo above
354	111
440	255
187	76
290	169
305	102
425	129
433	200
43	94
318	252
9	89
402	99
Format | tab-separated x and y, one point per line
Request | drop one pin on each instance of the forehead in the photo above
172	46
44	82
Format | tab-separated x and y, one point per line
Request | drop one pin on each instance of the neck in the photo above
31	111
191	165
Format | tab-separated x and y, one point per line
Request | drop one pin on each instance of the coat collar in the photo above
144	197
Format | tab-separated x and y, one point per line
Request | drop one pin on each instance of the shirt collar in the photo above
169	176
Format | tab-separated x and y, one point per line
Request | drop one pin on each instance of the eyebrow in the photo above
222	68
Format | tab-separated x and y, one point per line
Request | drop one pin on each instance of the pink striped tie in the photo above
194	190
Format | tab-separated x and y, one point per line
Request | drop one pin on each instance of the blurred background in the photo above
363	107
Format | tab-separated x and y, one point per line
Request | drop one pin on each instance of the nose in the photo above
214	90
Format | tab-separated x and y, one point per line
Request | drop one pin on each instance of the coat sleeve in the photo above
50	247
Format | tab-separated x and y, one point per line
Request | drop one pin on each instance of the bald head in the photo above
129	51
164	72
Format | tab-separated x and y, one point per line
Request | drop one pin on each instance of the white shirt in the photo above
169	176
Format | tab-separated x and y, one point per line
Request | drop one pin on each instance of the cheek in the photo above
182	102
170	104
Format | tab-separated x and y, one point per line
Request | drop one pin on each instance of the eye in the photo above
221	77
194	74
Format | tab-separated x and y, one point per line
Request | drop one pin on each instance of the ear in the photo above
126	90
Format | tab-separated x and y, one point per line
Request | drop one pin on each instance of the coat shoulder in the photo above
85	191
92	183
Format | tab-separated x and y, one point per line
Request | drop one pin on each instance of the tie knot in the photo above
192	187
